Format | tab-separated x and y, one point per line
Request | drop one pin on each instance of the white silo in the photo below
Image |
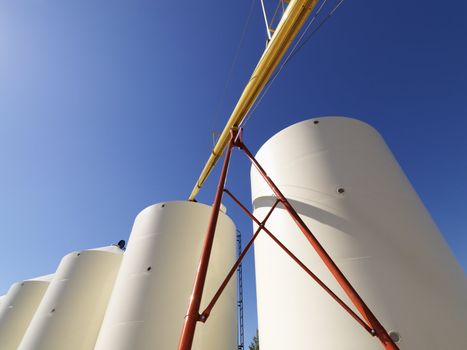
153	288
71	311
342	179
17	309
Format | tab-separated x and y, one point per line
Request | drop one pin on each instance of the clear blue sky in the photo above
108	106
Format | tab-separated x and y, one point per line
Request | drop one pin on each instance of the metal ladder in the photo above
240	334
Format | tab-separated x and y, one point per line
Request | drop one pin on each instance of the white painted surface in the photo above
377	231
17	309
72	309
147	307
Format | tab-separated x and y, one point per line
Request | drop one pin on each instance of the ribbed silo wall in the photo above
71	311
17	309
153	288
344	182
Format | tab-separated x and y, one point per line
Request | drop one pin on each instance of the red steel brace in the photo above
301	264
205	314
378	328
193	316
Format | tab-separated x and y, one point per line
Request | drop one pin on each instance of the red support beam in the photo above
205	314
372	325
379	330
192	315
302	265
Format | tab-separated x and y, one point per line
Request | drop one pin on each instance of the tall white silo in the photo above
153	288
344	182
17	309
71	311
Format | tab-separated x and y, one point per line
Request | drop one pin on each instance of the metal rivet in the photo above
395	336
149	268
340	190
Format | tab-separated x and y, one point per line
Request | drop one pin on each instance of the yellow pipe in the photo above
293	19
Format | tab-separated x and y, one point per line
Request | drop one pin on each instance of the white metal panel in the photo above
17	309
153	287
71	312
344	182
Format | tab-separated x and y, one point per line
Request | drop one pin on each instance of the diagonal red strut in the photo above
207	311
364	310
302	265
193	315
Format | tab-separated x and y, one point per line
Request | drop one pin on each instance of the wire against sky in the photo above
233	63
297	47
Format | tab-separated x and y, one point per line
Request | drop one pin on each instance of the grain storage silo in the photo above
153	288
17	309
71	311
344	182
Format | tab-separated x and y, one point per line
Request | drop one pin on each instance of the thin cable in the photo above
269	83
234	63
293	52
265	20
275	14
318	27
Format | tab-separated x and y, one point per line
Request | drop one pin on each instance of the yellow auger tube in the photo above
295	15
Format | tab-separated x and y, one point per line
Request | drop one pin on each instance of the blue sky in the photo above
109	106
